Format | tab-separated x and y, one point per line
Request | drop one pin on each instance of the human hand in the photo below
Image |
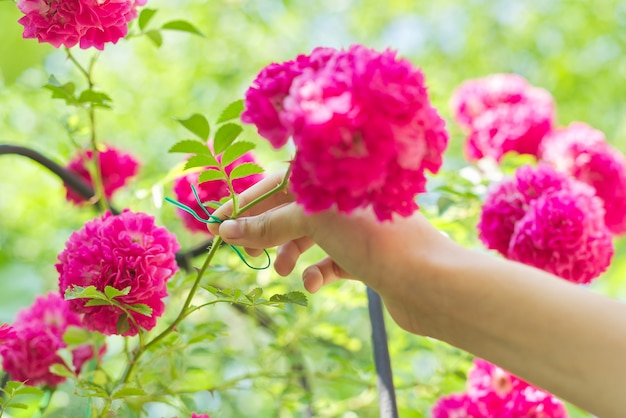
394	258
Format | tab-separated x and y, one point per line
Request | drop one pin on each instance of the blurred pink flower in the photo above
582	152
363	128
31	348
550	221
494	392
28	355
209	191
502	113
194	415
84	22
458	405
6	332
52	311
116	166
126	250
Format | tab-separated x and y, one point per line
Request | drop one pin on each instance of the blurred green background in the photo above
574	49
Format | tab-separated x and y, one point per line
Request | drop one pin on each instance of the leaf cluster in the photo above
17	395
254	297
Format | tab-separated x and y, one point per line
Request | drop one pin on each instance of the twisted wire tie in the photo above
214	220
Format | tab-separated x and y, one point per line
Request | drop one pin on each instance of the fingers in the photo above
323	273
269	229
288	254
270	182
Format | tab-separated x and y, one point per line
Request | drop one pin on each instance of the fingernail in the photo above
231	230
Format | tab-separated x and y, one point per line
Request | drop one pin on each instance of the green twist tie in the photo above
214	220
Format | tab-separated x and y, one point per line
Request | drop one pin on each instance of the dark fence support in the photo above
384	375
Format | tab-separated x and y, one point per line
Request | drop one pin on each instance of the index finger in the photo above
269	183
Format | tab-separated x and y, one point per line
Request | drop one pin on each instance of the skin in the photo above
556	335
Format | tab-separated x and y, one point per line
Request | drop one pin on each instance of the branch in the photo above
70	179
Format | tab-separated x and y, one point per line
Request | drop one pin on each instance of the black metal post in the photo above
384	375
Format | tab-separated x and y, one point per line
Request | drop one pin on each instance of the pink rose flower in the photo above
582	152
116	167
209	191
127	250
550	221
84	22
31	347
194	415
502	113
363	128
27	356
494	392
52	311
6	332
458	405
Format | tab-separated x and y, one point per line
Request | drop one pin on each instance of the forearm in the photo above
556	335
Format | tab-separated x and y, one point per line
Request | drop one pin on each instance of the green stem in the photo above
259	199
48	397
105	409
96	173
231	189
183	312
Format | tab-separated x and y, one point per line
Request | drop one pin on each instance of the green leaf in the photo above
76	335
245	169
89	292
232	111
99	302
91	389
212	289
203	160
197	125
61	370
225	136
12	386
122	324
155	37
254	294
297	298
210	175
126	392
16	405
145	16
141	308
190	146
112	292
95	98
28	390
235	151
62	91
183	26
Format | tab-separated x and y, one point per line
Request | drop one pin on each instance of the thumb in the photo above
269	229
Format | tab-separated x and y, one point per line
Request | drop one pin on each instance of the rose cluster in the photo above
362	125
87	23
494	392
30	346
502	113
583	152
209	191
116	168
123	251
546	219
